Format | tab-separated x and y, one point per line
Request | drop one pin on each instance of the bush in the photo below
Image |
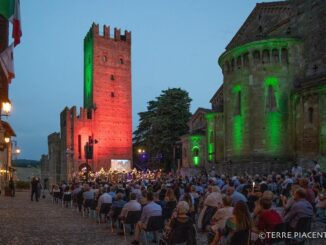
22	184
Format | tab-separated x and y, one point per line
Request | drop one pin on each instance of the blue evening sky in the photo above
175	43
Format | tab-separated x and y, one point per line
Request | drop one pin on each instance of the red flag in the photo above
15	20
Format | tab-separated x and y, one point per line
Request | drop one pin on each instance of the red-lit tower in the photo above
106	119
107	93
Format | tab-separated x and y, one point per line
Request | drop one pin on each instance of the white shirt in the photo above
104	198
132	205
317	168
296	171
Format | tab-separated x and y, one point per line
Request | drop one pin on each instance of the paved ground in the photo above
32	223
25	222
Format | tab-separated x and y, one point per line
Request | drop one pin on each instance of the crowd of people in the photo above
228	209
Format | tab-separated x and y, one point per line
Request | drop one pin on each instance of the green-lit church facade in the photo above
271	107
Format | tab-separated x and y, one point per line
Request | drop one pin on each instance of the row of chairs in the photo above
64	198
155	223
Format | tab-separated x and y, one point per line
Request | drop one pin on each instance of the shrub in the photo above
22	184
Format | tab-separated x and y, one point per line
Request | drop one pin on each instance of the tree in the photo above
162	125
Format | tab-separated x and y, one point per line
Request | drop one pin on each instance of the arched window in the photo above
246	60
239	62
271	100
311	115
195	152
260	29
121	61
275	56
266	59
284	56
256	56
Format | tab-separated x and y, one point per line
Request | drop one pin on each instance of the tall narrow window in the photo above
311	115
239	62
238	104
246	60
256	56
284	56
196	152
271	100
275	56
112	77
266	58
79	146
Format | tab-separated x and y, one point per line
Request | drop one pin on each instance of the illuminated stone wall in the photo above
310	122
258	81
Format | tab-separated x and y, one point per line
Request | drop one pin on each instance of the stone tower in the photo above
107	92
105	122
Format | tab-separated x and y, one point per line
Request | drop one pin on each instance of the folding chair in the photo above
155	223
132	218
66	198
105	209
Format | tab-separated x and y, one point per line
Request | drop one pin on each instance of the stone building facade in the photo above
270	109
101	131
54	170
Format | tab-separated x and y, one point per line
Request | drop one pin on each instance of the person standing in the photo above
296	170
39	188
12	187
34	189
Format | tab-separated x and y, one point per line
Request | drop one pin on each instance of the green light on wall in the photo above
196	161
274	121
238	121
273	118
88	70
237	133
210	135
237	88
195	148
210	151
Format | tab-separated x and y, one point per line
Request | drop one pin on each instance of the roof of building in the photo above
217	93
8	129
247	33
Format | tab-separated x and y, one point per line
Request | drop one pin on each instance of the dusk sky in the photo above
175	43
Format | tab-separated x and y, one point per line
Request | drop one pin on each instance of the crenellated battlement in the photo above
105	33
83	114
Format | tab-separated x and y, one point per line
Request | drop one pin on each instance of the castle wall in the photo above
54	149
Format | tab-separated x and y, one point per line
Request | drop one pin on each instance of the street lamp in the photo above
7	140
6	108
